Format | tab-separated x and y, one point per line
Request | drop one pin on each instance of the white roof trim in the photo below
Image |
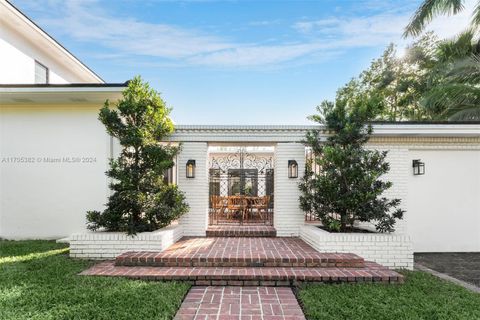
296	133
40	96
60	89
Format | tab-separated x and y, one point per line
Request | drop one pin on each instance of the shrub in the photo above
347	187
141	200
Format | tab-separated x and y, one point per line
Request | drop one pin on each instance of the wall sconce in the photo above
190	169
292	169
418	167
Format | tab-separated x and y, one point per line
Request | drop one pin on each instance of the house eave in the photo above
61	94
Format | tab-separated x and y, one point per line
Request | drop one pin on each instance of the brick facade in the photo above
108	245
391	250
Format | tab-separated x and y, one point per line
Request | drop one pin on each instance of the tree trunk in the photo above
343	221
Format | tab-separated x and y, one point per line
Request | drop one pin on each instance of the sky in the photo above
233	62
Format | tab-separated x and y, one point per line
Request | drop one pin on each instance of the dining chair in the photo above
236	204
261	205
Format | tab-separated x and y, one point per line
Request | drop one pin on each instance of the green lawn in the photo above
423	296
39	281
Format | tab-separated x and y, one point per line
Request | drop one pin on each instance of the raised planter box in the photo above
108	245
389	249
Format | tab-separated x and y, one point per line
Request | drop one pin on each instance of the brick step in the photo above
159	259
371	272
239	252
241	231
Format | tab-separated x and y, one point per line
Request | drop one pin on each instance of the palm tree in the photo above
457	96
430	9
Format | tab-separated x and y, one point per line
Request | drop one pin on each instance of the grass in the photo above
39	281
423	296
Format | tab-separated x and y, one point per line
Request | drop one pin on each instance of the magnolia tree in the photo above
347	187
141	200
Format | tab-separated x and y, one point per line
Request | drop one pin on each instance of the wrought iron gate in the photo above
241	188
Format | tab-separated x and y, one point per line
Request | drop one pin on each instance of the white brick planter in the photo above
108	245
388	249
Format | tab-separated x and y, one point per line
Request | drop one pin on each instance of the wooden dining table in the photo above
240	204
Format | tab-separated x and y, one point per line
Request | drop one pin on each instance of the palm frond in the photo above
470	114
428	10
445	100
459	47
466	71
476	16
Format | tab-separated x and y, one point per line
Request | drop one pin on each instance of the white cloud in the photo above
86	21
386	26
89	23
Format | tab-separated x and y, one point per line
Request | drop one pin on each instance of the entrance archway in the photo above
241	185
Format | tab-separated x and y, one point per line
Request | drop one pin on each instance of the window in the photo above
41	73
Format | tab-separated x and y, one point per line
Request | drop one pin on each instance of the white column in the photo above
288	217
195	222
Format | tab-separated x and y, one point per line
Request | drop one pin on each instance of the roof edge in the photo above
297	132
378	124
47	35
64	85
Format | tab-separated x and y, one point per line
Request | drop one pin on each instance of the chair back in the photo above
236	202
216	201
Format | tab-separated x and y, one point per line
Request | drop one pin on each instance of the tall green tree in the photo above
141	200
348	186
397	83
434	80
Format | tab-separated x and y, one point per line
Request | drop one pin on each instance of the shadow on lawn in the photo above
42	282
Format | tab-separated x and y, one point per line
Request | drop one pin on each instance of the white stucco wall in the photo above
444	204
17	60
42	199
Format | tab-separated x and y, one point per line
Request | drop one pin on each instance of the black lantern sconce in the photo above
190	169
418	167
292	169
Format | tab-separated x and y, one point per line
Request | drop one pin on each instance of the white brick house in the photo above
54	152
448	191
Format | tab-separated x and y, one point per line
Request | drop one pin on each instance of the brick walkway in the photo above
242	303
243	278
240	252
241	231
238	276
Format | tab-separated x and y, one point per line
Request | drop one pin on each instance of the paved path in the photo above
240	252
242	303
243	278
464	266
239	276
